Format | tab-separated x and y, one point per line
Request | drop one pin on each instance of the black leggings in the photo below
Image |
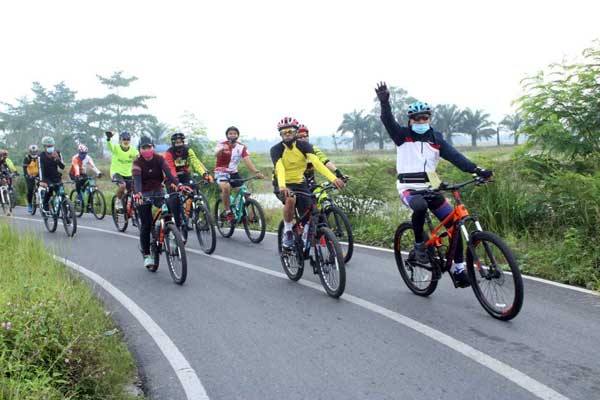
30	182
145	215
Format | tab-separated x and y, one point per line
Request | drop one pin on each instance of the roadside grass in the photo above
56	340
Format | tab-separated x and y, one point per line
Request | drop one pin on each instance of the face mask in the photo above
82	155
232	140
50	150
420	128
147	153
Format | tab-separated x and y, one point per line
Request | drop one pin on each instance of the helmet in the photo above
302	128
33	149
418	107
124	135
175	136
48	141
3	153
232	128
145	141
82	148
287	122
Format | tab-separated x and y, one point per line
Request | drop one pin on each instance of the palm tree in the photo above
447	119
513	123
477	124
357	124
156	130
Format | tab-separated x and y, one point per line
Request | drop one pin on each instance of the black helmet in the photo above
175	136
124	135
232	128
145	141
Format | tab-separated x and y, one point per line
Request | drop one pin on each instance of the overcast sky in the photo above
249	63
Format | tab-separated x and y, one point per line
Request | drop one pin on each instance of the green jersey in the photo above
121	160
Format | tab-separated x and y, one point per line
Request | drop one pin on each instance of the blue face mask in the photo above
50	150
82	155
420	128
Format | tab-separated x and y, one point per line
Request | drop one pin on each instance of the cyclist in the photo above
181	160
290	158
229	154
120	166
79	164
50	160
31	171
419	148
6	165
149	171
309	174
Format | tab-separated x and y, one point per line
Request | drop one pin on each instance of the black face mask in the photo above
179	148
290	141
232	140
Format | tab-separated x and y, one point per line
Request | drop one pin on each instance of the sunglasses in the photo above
287	131
420	118
125	140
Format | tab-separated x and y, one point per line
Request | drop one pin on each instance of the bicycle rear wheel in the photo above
340	225
34	202
97	203
77	202
495	275
419	279
332	270
292	260
225	228
254	221
175	252
205	229
69	217
119	216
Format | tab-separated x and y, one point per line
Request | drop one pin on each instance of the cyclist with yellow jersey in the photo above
122	156
289	159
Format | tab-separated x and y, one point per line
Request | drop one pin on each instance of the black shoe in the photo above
462	279
421	255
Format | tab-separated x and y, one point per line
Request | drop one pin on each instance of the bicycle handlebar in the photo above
444	187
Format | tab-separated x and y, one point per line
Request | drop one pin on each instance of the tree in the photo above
477	125
195	132
447	118
156	130
357	124
512	123
561	109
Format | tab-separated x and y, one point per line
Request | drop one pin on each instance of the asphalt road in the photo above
250	333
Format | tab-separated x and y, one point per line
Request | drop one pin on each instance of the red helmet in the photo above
287	122
302	128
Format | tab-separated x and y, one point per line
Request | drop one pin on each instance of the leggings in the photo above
30	182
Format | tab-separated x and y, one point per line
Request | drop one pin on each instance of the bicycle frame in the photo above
237	202
315	220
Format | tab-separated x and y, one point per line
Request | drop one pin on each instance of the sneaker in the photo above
149	262
461	278
227	216
29	208
421	255
119	204
287	241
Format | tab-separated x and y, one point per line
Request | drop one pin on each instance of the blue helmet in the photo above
125	135
418	107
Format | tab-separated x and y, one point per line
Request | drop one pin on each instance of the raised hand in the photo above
383	94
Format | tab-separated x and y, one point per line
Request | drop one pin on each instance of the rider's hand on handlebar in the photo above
184	188
339	184
208	178
259	175
99	175
137	198
285	192
484	173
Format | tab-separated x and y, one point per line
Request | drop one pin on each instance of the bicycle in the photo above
489	260
316	242
195	215
96	203
121	216
166	238
336	218
245	210
7	194
59	206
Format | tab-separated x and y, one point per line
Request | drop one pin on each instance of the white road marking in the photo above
512	374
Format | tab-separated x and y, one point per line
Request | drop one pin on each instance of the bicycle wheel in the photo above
4	201
291	260
254	221
97	203
205	229
155	254
77	202
34	202
225	228
340	225
175	252
50	218
119	217
69	217
419	279
332	270
495	275
12	195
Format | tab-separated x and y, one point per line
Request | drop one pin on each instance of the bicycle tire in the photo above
404	243
69	217
327	239
478	277
34	202
97	199
178	277
50	221
340	218
12	196
79	204
225	228
203	224
261	219
120	219
289	258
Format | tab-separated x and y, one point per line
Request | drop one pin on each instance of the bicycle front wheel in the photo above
98	204
50	217
340	225
292	260
77	202
34	202
332	270
224	227
419	279
118	215
205	229
175	252
254	221
495	275
69	217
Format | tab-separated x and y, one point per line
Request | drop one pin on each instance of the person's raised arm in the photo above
397	133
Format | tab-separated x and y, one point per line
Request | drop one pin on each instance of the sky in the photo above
249	63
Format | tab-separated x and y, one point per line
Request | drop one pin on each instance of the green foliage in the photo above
55	339
476	123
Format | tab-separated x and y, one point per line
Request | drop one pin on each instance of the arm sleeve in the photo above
170	177
449	153
60	162
276	153
396	132
110	146
75	166
322	157
170	163
41	168
136	172
91	161
10	165
195	163
319	166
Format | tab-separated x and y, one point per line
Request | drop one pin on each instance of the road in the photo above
248	332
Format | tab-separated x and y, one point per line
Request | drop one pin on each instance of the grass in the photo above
56	340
